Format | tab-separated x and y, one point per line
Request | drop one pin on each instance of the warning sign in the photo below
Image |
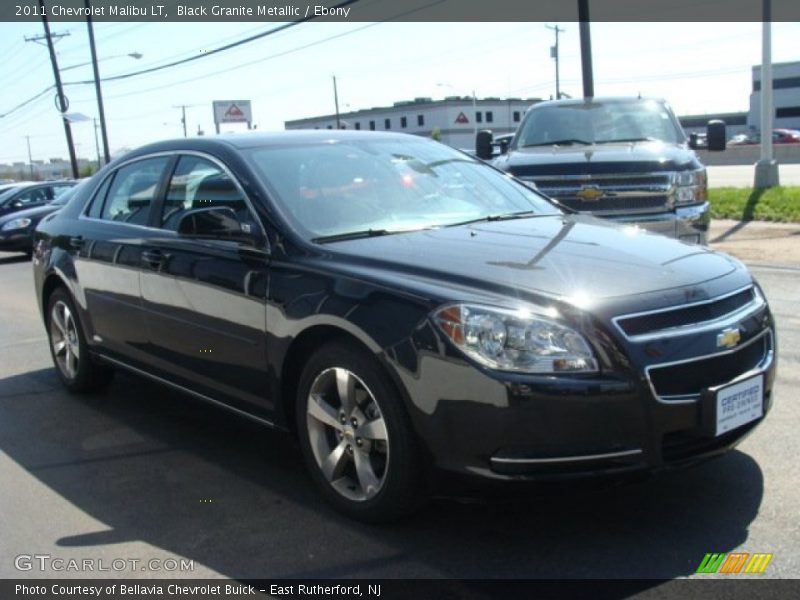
232	111
462	118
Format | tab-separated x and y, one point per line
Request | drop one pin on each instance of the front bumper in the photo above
504	426
687	223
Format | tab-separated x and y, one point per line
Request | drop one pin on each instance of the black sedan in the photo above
406	310
16	228
21	196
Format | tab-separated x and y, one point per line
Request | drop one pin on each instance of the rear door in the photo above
108	255
205	300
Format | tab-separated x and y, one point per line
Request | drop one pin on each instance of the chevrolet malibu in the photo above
406	310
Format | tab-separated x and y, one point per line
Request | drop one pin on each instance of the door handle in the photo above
76	242
154	258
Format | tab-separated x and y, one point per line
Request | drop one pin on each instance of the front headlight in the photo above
515	340
16	224
691	186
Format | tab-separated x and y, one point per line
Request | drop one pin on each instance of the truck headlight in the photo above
691	186
518	341
16	224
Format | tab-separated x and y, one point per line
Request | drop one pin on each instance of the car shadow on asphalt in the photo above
196	482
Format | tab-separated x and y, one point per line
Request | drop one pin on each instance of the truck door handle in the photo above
76	242
154	258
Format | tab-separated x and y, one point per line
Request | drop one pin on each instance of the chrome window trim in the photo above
172	153
756	304
762	366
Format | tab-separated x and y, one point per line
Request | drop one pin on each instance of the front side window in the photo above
133	190
198	183
34	196
331	189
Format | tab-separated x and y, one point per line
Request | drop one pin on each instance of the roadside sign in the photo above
462	118
232	111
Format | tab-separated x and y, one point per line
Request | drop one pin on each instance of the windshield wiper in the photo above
565	142
364	233
624	140
523	214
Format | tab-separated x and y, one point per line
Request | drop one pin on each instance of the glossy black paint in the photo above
21	240
233	321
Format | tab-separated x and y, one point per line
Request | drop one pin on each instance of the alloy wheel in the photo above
64	339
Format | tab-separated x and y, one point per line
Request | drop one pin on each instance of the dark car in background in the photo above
406	310
28	195
16	228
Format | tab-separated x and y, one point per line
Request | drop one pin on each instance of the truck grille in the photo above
615	194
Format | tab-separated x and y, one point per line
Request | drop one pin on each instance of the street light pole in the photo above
62	101
336	102
586	49
766	168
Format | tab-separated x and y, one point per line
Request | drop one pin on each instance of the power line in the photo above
236	44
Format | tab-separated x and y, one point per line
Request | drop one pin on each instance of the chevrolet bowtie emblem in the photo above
590	193
729	338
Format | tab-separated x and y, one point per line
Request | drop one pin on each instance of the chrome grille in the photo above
684	381
621	194
677	320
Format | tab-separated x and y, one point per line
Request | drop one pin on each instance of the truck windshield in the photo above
594	122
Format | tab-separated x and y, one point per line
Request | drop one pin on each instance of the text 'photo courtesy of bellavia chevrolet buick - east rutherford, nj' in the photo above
418	315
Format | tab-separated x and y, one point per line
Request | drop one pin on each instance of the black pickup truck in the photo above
623	158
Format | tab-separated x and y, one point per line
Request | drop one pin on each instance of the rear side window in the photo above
96	209
198	183
133	190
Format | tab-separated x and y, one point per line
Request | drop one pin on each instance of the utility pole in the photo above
183	108
62	100
100	110
586	49
767	167
97	144
30	157
554	55
336	102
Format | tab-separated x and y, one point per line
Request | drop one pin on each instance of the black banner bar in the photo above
191	11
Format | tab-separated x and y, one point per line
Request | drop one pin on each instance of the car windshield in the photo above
599	123
384	186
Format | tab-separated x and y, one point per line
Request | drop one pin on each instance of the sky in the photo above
698	67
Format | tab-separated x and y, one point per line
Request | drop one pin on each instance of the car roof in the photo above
265	139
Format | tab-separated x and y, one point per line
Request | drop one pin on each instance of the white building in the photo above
785	96
456	118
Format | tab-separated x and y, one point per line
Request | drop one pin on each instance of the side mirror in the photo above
17	204
716	135
213	223
483	144
693	141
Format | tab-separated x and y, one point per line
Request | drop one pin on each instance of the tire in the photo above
361	451
68	347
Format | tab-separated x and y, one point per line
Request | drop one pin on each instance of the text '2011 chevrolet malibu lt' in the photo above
406	310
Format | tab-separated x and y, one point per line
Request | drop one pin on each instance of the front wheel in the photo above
356	436
76	369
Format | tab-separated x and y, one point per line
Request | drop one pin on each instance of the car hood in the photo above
37	212
568	257
639	157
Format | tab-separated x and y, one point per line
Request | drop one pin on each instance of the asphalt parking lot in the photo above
140	473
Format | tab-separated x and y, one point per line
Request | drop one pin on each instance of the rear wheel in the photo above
356	436
76	369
